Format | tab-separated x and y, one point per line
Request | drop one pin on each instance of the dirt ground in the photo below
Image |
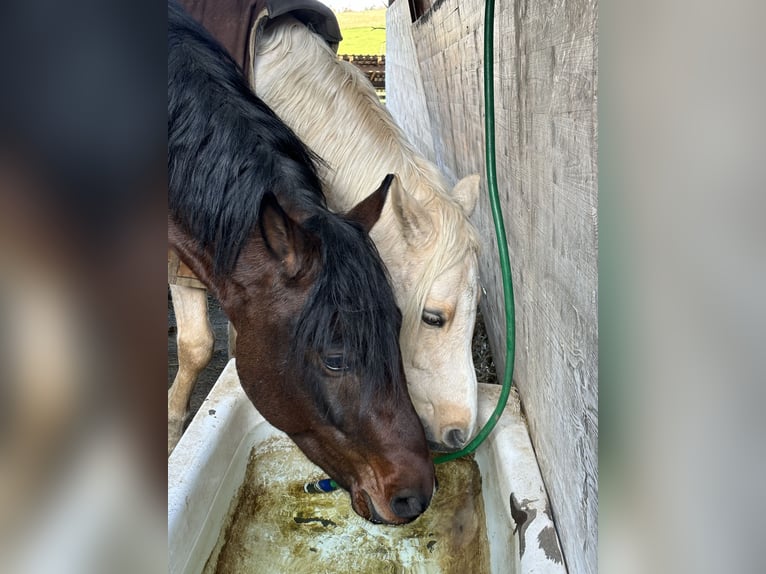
482	356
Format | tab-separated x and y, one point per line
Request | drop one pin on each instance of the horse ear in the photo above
367	212
283	237
409	214
466	192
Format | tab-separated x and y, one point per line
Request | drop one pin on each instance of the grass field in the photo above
363	32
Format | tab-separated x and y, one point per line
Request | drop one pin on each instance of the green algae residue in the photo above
277	528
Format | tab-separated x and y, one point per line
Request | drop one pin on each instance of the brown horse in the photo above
318	350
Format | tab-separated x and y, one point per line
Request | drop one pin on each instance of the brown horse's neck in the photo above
200	262
252	278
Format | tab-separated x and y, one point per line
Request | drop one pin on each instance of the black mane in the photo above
226	148
352	301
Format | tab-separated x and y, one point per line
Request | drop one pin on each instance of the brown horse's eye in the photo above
335	363
432	319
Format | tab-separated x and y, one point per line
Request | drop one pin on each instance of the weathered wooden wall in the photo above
545	88
408	99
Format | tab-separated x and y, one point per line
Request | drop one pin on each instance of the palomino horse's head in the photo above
434	269
318	345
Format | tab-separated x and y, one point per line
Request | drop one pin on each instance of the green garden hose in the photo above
328	485
502	243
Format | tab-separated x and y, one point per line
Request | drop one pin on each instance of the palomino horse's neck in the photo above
297	74
359	139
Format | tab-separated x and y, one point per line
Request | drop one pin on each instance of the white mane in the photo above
338	105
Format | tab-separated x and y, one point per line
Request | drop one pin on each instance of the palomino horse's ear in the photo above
410	215
285	241
367	212
466	192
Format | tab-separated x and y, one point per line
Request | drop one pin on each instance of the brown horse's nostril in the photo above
454	438
409	504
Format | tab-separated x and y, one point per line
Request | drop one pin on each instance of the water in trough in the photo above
274	527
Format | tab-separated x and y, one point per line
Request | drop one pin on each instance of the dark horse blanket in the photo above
233	23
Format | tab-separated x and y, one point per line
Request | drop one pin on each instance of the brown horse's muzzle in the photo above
404	507
394	485
396	498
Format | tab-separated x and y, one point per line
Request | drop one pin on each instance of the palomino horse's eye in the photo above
433	319
335	363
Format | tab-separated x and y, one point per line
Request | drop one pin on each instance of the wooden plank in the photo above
402	70
545	87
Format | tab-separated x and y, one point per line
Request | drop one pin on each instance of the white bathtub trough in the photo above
507	528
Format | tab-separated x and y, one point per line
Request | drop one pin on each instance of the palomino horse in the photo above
424	236
318	350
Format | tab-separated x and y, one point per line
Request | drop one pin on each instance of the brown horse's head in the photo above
318	354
